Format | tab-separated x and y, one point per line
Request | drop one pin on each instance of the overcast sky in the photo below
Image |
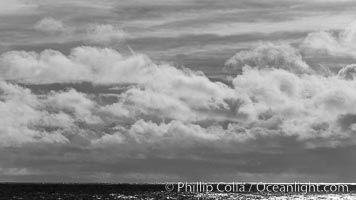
177	90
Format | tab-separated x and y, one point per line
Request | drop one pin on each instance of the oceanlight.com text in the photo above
202	187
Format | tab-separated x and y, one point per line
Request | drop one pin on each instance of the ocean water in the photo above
138	191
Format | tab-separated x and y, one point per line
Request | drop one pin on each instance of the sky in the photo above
177	90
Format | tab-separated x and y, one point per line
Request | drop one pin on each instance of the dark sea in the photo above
29	191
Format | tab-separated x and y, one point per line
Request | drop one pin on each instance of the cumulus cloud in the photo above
164	112
169	85
347	72
269	55
50	25
329	43
307	105
262	100
155	96
21	114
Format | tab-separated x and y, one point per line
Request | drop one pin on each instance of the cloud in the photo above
307	106
98	34
347	72
52	66
269	55
77	104
20	114
98	114
329	43
107	66
160	97
50	25
104	34
139	111
15	171
264	100
154	105
49	66
16	7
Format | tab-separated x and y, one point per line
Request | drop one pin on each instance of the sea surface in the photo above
9	191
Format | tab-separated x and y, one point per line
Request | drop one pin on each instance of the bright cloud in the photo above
328	43
269	56
266	99
50	25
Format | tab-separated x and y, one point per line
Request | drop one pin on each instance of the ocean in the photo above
30	191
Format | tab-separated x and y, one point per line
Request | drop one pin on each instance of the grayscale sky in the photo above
177	90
